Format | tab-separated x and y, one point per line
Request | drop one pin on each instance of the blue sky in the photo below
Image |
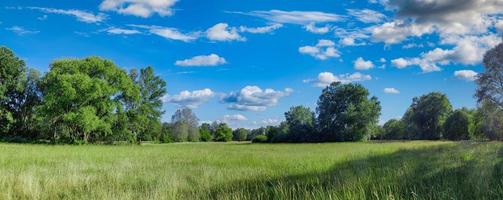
247	62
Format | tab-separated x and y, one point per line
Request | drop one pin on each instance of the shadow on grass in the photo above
453	171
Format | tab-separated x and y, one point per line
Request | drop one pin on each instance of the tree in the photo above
205	132
240	134
427	114
166	133
12	77
256	132
345	113
488	121
278	133
148	110
223	133
393	129
81	98
490	82
300	121
185	124
458	125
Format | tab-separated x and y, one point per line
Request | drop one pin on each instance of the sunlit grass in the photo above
396	170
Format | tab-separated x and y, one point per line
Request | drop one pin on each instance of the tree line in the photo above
92	100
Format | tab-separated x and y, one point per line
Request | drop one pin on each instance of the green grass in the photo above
395	170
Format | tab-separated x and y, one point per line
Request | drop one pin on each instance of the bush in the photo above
260	139
393	130
457	126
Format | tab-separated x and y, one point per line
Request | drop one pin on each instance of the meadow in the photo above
365	170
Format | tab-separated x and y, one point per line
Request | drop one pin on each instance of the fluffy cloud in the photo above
351	37
397	31
326	78
467	75
361	64
323	50
21	30
169	33
121	31
295	17
258	30
311	27
253	98
190	99
222	32
367	16
234	118
140	8
82	16
204	60
468	50
391	91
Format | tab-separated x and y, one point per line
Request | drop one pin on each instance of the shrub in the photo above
260	139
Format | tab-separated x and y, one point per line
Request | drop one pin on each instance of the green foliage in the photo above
393	129
81	98
458	125
223	133
260	139
427	114
240	134
185	126
205	132
277	133
490	82
488	121
166	133
300	122
345	113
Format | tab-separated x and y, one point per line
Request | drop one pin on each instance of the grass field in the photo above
395	170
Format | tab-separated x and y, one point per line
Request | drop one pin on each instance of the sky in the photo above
248	62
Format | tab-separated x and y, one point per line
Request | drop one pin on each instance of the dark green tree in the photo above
205	132
346	113
240	134
427	115
223	133
458	125
393	129
300	121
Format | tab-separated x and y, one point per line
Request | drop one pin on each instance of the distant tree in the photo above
488	121
240	134
346	113
427	115
185	125
278	133
393	129
166	133
490	82
458	125
300	121
205	131
256	132
260	139
81	98
223	133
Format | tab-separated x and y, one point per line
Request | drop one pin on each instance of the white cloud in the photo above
361	64
468	75
323	50
169	33
397	31
140	8
499	25
311	27
400	63
190	99
21	30
258	30
351	37
82	16
222	32
367	16
203	60
234	118
326	78
253	98
295	17
121	31
391	91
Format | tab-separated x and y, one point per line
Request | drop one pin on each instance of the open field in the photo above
395	170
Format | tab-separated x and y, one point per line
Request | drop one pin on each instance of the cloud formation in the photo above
326	78
19	30
169	32
190	99
367	15
295	17
140	8
361	64
253	98
82	16
203	60
222	32
391	91
259	30
323	50
467	75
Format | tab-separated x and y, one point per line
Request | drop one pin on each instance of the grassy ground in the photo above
396	170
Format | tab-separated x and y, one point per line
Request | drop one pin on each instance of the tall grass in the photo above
396	170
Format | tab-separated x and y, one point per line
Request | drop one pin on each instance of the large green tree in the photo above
426	115
81	98
458	125
490	82
300	121
240	134
393	129
223	133
185	125
346	113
